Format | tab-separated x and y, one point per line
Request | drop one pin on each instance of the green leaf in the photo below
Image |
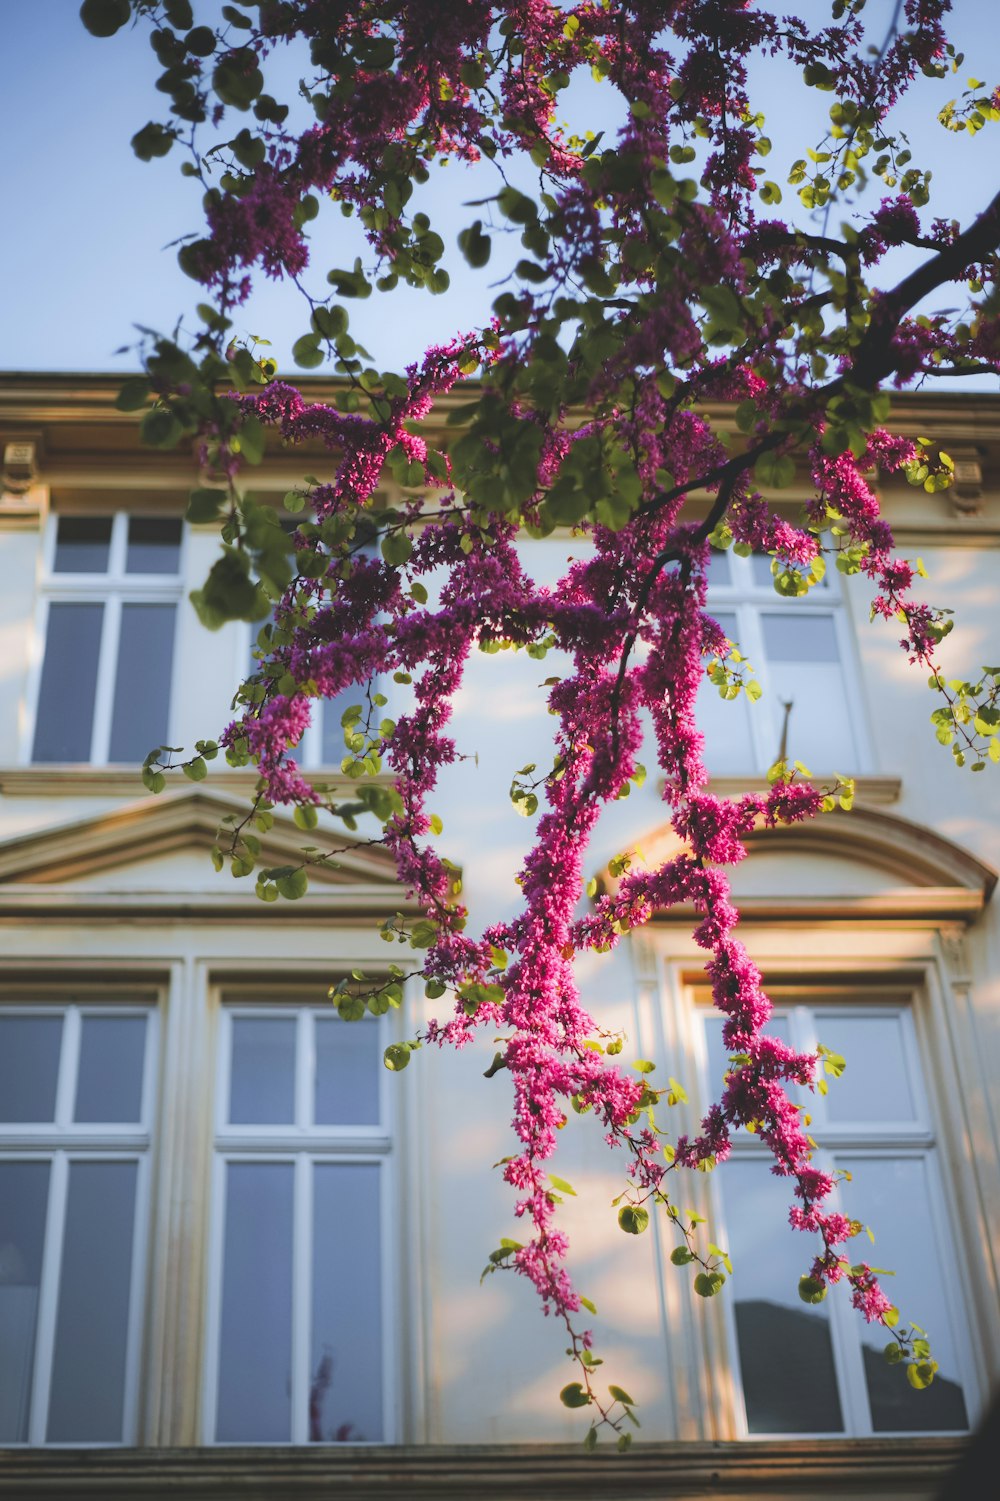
621	1395
707	1284
196	770
921	1373
633	1219
134	394
396	1057
307	353
306	816
561	1185
681	1255
574	1395
105	17
811	1290
204	506
396	548
293	885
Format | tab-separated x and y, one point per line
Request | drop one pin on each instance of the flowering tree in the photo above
655	283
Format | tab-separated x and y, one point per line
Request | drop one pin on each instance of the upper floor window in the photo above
820	1369
800	650
76	1086
298	1326
111	590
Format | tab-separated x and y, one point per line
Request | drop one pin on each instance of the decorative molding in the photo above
939	880
183	820
870	790
798	1470
68	781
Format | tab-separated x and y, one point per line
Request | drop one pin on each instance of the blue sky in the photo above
86	226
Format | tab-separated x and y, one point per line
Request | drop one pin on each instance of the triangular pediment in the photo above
163	842
864	864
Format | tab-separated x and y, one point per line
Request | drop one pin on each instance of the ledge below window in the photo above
798	1470
867	789
125	781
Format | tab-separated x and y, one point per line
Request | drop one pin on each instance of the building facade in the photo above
237	1257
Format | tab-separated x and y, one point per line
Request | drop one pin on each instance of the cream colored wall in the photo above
480	1363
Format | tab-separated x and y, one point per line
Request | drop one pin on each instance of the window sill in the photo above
59	780
868	789
800	1470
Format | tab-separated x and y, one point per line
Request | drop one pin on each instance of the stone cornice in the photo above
801	1470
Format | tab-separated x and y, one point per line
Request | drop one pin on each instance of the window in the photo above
298	1304
819	1369
111	590
75	1104
799	649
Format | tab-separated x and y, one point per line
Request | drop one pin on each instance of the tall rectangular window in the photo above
111	591
75	1107
820	1369
800	653
302	1149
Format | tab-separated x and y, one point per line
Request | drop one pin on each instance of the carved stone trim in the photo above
799	1470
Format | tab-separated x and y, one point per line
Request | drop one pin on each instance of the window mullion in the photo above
763	715
48	1296
69	1059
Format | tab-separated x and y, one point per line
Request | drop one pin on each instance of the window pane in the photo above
725	723
154	544
24	1189
794	1391
255	1338
719	574
142	687
348	1072
88	1373
345	1371
82	544
893	1197
760	570
875	1085
65	719
820	730
29	1067
718	1056
795	637
262	1081
109	1084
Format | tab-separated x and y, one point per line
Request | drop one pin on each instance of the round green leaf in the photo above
633	1219
105	17
574	1395
811	1290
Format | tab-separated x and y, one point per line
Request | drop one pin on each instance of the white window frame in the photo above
748	600
112	589
888	1141
62	1142
304	1146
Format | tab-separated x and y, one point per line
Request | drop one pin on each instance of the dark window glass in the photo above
24	1193
794	1391
262	1081
255	1341
109	1084
29	1067
348	1068
142	687
345	1370
65	721
88	1365
154	544
82	544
